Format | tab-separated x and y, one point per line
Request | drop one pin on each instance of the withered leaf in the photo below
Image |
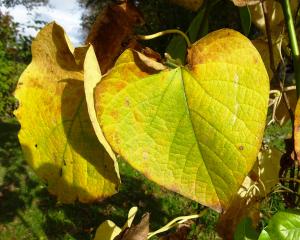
137	232
111	32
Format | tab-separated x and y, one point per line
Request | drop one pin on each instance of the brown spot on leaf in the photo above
114	114
127	102
145	155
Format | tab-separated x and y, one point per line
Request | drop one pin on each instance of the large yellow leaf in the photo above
195	130
56	133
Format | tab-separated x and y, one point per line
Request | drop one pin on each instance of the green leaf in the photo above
245	17
194	28
196	130
245	231
198	28
284	226
264	235
56	133
177	47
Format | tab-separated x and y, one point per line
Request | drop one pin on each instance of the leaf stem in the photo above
293	41
269	35
169	31
176	221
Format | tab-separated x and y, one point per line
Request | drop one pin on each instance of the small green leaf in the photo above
177	46
245	16
195	25
284	226
264	235
245	231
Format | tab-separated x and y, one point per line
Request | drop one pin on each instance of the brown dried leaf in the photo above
242	3
137	232
181	232
111	32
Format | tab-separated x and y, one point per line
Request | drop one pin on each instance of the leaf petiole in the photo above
165	32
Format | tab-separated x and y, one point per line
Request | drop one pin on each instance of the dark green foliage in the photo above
14	55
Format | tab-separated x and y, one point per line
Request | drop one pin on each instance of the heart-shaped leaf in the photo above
195	130
56	134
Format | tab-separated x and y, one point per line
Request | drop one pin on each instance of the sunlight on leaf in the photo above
92	76
108	230
283	226
56	134
264	235
260	181
243	3
180	127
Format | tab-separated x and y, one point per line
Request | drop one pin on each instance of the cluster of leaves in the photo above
14	55
160	115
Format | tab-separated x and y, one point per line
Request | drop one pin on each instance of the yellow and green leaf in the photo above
195	130
56	133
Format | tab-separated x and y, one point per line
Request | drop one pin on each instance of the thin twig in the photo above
269	35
